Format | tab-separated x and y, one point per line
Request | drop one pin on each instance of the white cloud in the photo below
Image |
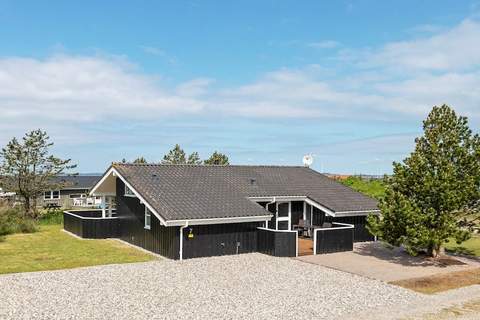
455	49
195	87
84	89
426	28
400	80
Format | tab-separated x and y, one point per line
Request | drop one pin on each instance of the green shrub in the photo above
27	226
8	220
374	188
6	227
12	220
51	216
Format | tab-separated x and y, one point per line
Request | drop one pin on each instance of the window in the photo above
129	192
148	218
49	195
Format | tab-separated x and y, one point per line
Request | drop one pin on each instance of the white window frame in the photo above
128	192
50	197
287	218
148	222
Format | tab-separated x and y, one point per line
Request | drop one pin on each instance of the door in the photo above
283	216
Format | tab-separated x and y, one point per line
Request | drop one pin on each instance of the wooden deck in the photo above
305	246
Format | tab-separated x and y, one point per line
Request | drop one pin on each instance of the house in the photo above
187	211
73	192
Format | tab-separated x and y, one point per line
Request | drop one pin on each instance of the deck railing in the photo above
279	243
337	238
90	224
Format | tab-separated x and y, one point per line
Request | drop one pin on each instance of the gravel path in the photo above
244	286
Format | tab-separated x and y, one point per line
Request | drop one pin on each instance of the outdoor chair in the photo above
327	225
304	227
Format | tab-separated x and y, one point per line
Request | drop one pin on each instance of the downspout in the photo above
266	207
181	240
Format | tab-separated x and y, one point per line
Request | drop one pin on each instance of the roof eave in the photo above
191	222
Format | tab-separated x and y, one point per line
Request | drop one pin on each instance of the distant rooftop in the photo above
77	181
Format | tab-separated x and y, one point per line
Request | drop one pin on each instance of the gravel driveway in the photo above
243	286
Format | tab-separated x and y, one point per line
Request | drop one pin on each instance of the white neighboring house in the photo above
74	193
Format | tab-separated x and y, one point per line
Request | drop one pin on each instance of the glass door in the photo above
283	216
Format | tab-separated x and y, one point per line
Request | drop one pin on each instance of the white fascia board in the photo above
142	200
277	198
95	187
319	206
315	204
191	222
295	198
356	213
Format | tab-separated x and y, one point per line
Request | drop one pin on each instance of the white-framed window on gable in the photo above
129	192
148	218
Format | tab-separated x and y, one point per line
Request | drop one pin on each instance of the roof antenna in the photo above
307	160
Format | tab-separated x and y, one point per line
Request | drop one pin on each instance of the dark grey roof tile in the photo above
180	192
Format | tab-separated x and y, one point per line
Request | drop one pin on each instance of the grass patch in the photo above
373	188
471	247
441	282
457	311
51	249
51	216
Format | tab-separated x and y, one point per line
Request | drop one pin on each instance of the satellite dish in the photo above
307	160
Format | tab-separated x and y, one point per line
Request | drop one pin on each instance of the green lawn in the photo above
51	249
469	247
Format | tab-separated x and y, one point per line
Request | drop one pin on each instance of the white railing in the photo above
90	218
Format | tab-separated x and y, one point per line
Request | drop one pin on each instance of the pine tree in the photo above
217	158
194	158
175	156
140	160
434	193
28	168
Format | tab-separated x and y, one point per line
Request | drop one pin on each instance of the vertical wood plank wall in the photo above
91	228
219	239
277	243
329	241
131	214
360	233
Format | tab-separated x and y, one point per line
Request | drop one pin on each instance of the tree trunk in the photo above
433	250
27	207
34	208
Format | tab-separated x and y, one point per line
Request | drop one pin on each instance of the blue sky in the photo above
262	81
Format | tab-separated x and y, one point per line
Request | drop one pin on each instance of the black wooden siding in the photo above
219	239
159	239
90	228
334	240
360	234
277	243
272	207
297	212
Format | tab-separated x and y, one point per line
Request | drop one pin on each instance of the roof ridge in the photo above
204	165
